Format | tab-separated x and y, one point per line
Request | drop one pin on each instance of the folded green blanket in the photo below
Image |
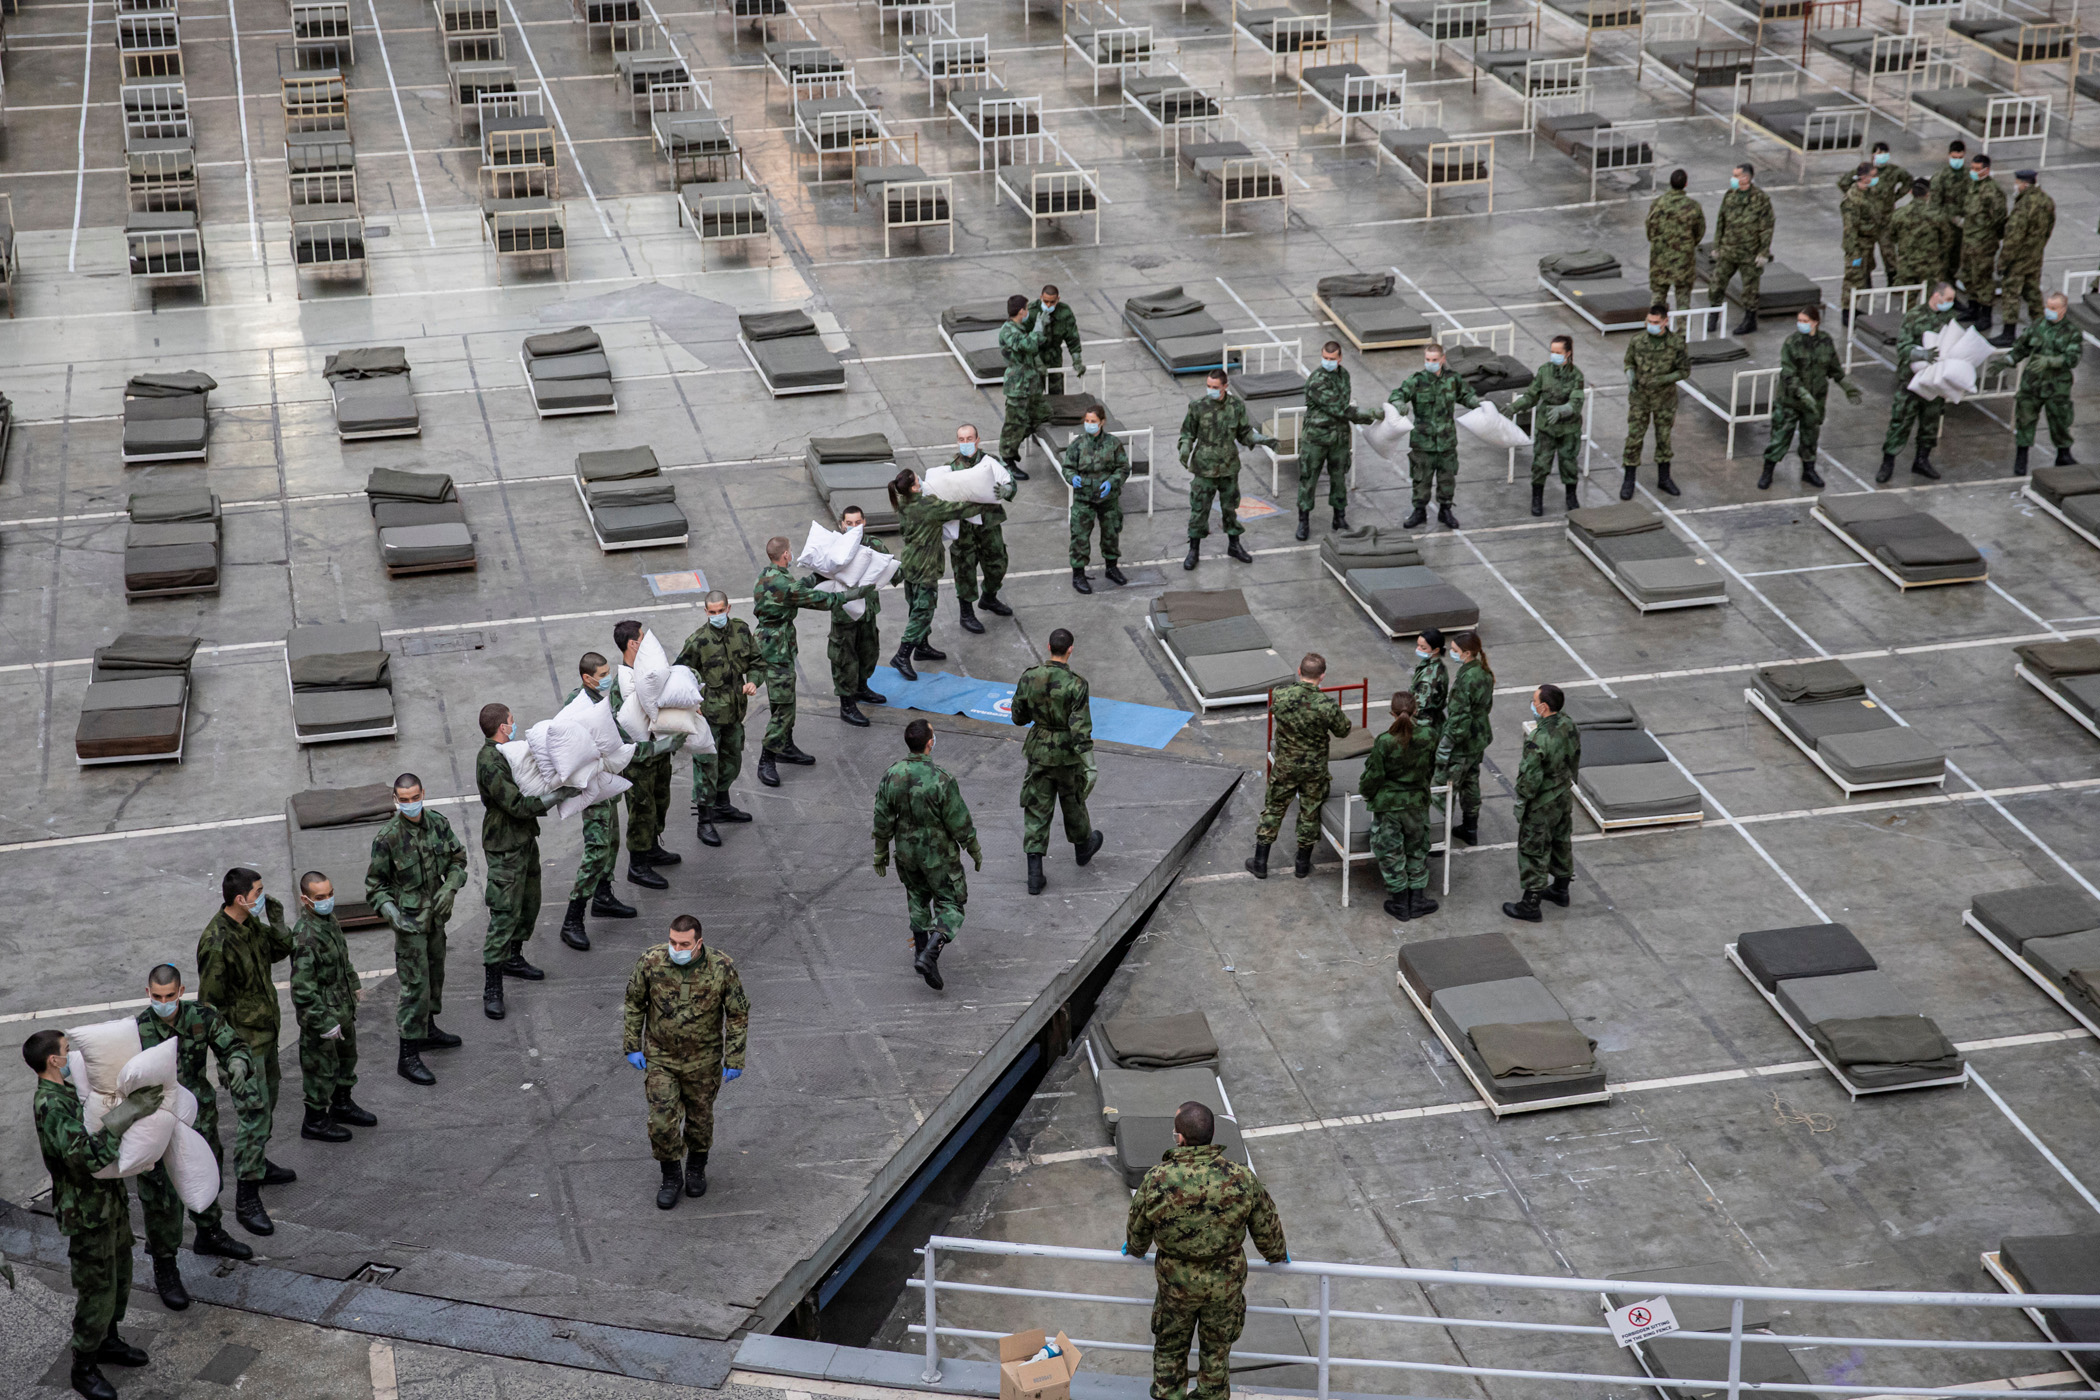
1357	284
1160	1042
369	363
387	484
2051	659
169	386
1886	1040
860	447
1813	681
147	651
1526	1048
576	340
775	325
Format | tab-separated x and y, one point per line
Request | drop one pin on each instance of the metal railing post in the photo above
1735	1349
1325	1282
932	1372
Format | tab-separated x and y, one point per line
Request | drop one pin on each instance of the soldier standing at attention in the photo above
1397	778
1808	365
723	654
920	517
1935	313
601	830
1982	229
1950	190
1432	396
1467	732
775	599
416	871
1197	1206
648	774
234	954
1323	438
1021	341
1676	226
1891	183
1864	222
510	844
919	807
1655	361
93	1214
685	1028
2027	231
1060	332
855	645
1546	806
1053	698
1430	684
1305	717
2051	347
325	994
1097	464
1742	244
1555	395
1213	431
1923	233
980	543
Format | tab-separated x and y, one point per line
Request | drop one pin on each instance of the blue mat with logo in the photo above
939	693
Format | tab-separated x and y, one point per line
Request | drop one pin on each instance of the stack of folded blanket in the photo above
422	526
341	680
172	544
2067	672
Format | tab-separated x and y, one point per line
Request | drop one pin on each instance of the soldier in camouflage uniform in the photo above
1935	313
685	1028
510	844
775	599
1864	220
1060	333
1021	341
1742	244
1430	683
919	808
1676	226
1950	191
1546	806
1555	398
1467	732
93	1214
1397	778
601	827
1198	1206
417	869
1809	363
724	655
1655	361
648	776
325	994
2051	348
979	547
1890	183
1305	717
855	645
1213	431
1097	464
1323	438
2027	231
1432	396
1982	229
1054	699
234	954
920	518
1923	233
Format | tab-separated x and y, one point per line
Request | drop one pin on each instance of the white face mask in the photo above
682	956
1215	393
720	619
1421	655
1434	366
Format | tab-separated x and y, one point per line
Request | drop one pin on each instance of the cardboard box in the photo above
1048	1379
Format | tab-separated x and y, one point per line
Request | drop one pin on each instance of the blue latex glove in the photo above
1104	491
1126	1246
729	1074
1286	1256
637	1061
1855	262
1076	482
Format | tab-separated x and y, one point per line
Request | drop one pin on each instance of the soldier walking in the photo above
1809	363
1864	220
1432	396
601	829
417	869
920	518
1555	398
1676	226
2051	347
1398	774
1923	235
1305	717
93	1214
1021	341
1213	431
1097	464
775	599
1982	229
1546	806
854	648
1935	313
1467	732
1323	438
724	655
1198	1206
1053	698
685	1027
325	996
1742	244
510	845
2027	231
1060	332
234	954
1655	361
648	774
979	548
920	810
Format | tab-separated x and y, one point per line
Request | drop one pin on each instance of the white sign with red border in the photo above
1637	1322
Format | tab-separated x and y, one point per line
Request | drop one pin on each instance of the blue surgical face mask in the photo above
1975	174
1215	393
1092	429
1558	358
966	449
591	684
1654	329
2053	314
1805	327
1421	655
1434	366
1941	306
720	619
409	809
682	956
1881	157
65	1072
1330	364
325	907
1872	181
1735	182
166	1009
1955	162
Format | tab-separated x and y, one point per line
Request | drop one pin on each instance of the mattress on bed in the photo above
1412	145
1780	290
1262	25
1816	721
1437	963
551	369
1636	791
1154	1093
576	340
1238	672
1774	955
1600	14
1703	64
1421	15
1171	98
629	524
147	693
337	656
339	711
2054	660
798	362
1842	996
2058	484
405	546
1675	1355
156	436
1788	120
172	532
1181	325
1056	197
1331	81
2035	911
1589	712
1220	637
1266	388
1670	580
190	503
1408	611
374	405
1617	748
1615	301
973	316
1380	318
1510	1001
2084	511
1897	754
2058	1264
2059	956
874	475
1737	397
1488	371
1882	328
2083	692
155	568
1142	1142
343	854
127	733
397	515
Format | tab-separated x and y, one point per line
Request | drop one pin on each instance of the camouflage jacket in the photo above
1060	333
779	595
233	966
1676	226
1397	776
723	658
1924	236
920	808
414	864
1053	697
1328	411
324	984
1982	216
1810	364
1199	1206
1430	684
990	515
1910	341
72	1154
2027	230
1743	227
1468	729
1551	387
1891	183
1657	361
2052	350
1552	758
1022	344
1950	189
1305	717
1094	460
1212	433
696	1012
925	554
1433	401
1862	220
198	1029
509	819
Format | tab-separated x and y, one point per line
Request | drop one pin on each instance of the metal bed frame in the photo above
954	63
158	255
1258	169
1067	190
1697	323
688	104
1681	26
149	45
1289	39
738	217
1130	46
1364	96
1279	420
1207	106
1459	153
321	34
2009	117
999	123
1875	301
1840	128
831	133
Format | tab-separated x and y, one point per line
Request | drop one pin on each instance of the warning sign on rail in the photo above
1637	1322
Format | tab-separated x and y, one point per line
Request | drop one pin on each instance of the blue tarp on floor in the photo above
939	693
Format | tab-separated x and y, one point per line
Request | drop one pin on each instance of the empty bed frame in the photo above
137	703
1721	381
2051	933
1654	569
1047	184
627	500
1182	336
165	246
1365	308
1220	650
1626	779
2071	495
373	394
1855	1020
1244	172
331	830
855	472
1436	160
1906	546
166	416
1782	105
1381	569
340	683
2068	673
1512	1038
568	373
2059	1264
420	524
788	353
1824	710
172	544
1678	1356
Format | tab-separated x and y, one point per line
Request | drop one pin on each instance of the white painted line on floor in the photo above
2053	1160
2036	617
554	110
1260	324
386	62
381	1358
240	93
87	75
1809	569
54	1012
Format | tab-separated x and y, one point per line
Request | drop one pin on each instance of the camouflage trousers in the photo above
101	1280
1427	469
1728	266
1202	1302
1317	454
649	800
1978	282
1225	490
776	648
2017	286
921	599
1790	423
163	1208
681	1096
935	896
1858	275
327	1067
1545	839
1645	406
601	844
2028	408
1911	411
855	649
1891	254
1919	268
1660	284
251	1130
1400	845
1045	787
1026	410
978	550
1309	786
1464	774
1550	450
1084	515
714	772
513	895
419	961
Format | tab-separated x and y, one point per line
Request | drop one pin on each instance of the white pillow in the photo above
856	609
670	721
595	718
976	483
651	670
681	691
598	787
1487	423
155	1066
869	566
539	742
524	770
571	752
193	1169
1387	438
633	718
826	550
105	1048
618	759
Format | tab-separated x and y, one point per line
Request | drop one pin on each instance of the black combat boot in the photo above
993	603
1626	486
925	651
1574	498
706	829
970	623
1303	867
213	1241
492	991
1662	480
1526	908
1538	498
344	1109
167	1281
248	1209
410	1067
607	905
1080	582
1557	891
850	713
1922	465
656	854
901	663
1418	516
1764	478
696	1174
89	1381
1188	561
2020	461
1304	524
115	1351
1258	863
516	966
1809	475
928	963
789	753
2007	336
1035	875
673	1183
274	1175
438	1039
918	944
1235	550
1341	519
1397	906
573	932
1746	325
1089	848
320	1127
1983	318
1113	574
2064	457
768	772
725	812
1887	468
1421	903
1447	517
1468	830
638	871
862	696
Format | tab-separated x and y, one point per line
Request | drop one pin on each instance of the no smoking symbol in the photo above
1640	1317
